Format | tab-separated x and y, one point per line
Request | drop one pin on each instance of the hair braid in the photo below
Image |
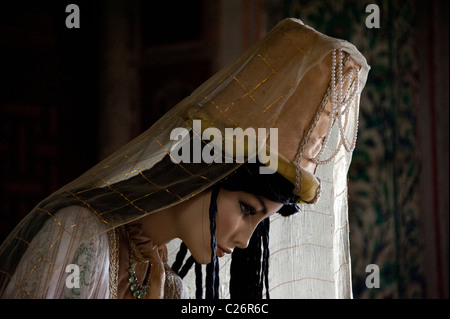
265	259
187	266
212	278
248	273
179	258
198	281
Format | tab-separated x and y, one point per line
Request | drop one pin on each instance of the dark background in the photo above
49	102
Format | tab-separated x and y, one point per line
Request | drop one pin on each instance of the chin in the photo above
202	257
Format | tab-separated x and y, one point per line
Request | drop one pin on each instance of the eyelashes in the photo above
246	209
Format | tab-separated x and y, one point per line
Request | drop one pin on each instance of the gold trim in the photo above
113	263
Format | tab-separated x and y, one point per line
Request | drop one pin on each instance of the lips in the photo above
220	252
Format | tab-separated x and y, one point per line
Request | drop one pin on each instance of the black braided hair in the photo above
179	258
212	269
198	281
265	262
176	267
248	275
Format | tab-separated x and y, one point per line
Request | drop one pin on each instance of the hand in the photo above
157	256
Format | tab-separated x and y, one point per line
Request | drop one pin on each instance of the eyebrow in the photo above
264	208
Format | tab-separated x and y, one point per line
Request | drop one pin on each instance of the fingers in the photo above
157	255
146	250
157	281
157	273
143	244
162	250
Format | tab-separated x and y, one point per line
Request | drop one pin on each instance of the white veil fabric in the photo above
297	80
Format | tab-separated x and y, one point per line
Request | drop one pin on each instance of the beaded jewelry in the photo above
137	290
341	104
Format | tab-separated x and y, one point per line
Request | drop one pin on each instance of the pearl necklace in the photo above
341	104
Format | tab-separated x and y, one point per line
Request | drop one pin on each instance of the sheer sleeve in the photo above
174	287
57	264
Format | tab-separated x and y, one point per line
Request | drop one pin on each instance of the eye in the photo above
247	209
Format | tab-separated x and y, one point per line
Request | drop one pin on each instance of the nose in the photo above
242	244
243	235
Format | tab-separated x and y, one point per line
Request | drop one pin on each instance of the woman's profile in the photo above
110	232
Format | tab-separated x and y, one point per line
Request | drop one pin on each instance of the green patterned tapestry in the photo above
383	177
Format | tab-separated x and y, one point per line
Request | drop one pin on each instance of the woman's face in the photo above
238	214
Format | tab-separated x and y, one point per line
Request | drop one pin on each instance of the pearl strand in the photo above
340	106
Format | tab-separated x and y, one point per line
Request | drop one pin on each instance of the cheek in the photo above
227	222
199	240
